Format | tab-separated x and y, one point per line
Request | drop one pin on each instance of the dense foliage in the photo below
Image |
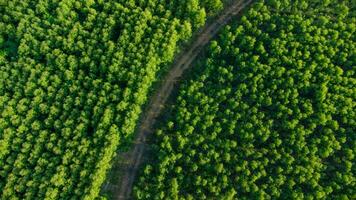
73	77
269	114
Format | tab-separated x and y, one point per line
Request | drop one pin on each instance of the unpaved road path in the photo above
133	158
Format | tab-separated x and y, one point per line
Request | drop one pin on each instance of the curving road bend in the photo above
183	61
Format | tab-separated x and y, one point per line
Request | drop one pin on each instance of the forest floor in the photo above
129	162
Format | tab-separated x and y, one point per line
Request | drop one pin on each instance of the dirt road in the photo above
133	158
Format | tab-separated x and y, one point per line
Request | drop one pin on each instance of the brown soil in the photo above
130	161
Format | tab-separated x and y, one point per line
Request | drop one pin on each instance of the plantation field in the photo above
73	78
269	113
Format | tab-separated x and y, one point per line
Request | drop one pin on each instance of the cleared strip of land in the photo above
183	61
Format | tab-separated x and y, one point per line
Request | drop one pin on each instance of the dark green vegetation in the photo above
269	114
73	77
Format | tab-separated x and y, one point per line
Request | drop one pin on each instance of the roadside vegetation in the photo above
269	113
73	78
